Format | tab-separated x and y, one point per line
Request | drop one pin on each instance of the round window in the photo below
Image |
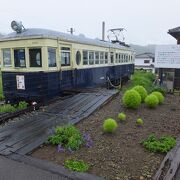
78	57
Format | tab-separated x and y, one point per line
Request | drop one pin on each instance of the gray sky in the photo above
146	21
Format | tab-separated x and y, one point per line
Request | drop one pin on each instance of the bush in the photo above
109	125
78	166
159	89
164	144
132	99
122	116
142	92
68	137
139	122
151	101
6	108
159	96
22	105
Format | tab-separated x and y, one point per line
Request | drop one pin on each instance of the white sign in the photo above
167	56
20	82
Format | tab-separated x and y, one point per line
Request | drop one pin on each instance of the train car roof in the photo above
32	33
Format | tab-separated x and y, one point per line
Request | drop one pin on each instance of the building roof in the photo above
175	32
145	55
50	34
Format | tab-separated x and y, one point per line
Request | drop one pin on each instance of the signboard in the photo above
20	82
167	56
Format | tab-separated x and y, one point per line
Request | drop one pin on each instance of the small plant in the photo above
159	96
22	105
139	122
163	145
142	92
74	165
151	101
132	99
68	137
109	125
7	108
122	116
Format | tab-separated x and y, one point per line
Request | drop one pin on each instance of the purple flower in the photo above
60	148
88	140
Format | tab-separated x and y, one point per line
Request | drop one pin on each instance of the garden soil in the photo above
120	156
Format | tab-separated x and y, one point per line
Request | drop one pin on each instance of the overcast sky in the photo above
146	21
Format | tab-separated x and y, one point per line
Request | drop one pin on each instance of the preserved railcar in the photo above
38	64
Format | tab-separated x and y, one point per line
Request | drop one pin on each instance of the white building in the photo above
145	61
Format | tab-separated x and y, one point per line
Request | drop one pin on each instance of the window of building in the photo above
106	57
112	57
52	57
35	57
19	58
7	57
65	56
85	58
91	57
78	57
146	61
96	57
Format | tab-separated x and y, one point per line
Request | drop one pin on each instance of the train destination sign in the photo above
167	56
20	82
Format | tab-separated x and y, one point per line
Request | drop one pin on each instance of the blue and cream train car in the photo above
38	64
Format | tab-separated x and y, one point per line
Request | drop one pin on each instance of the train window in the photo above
65	56
52	57
116	57
97	57
91	57
19	58
7	57
78	57
106	57
35	57
85	58
112	57
101	57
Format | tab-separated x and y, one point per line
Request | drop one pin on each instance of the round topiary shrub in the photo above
122	116
132	99
151	101
142	92
109	125
139	122
159	96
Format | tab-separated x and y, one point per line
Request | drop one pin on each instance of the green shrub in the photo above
109	125
22	105
6	108
122	116
131	99
159	96
78	166
151	101
159	89
139	122
142	92
67	136
163	145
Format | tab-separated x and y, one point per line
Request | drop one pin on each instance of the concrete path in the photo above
13	170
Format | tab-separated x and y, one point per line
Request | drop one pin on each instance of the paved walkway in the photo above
13	170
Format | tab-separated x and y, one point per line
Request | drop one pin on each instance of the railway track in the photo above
32	130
